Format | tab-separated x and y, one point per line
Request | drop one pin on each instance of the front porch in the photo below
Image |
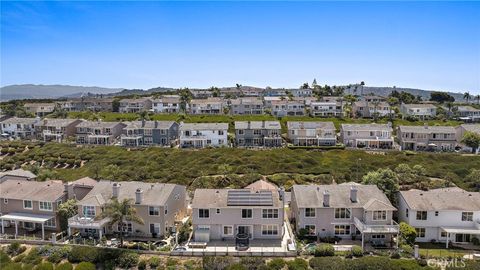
461	235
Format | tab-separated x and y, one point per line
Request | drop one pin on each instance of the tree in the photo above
407	233
477	97
385	179
120	211
116	105
112	172
185	97
238	86
473	178
471	139
314	83
304	86
67	210
215	91
467	96
441	97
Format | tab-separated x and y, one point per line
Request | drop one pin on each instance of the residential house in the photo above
312	133
135	105
201	93
258	134
268	101
468	113
372	98
370	136
449	215
367	109
349	211
145	133
460	132
56	130
79	188
98	132
30	206
206	106
326	109
40	109
23	128
159	205
281	108
301	92
278	92
199	135
422	111
246	106
252	91
94	104
240	214
18	174
166	104
427	138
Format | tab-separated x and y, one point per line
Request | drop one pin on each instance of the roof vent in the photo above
138	196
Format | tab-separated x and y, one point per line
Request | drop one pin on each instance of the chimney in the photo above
156	124
281	193
143	122
353	194
248	123
326	199
69	190
138	196
115	190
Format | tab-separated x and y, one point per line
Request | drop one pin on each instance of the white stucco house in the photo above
200	135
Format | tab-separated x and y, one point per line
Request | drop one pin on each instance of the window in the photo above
154	210
247	213
228	230
443	234
220	132
88	211
269	230
127	227
204	213
309	212
257	132
342	213
406	212
51	223
378	236
379	215
467	216
342	229
45	206
269	213
218	210
240	132
421	215
5	201
154	228
311	230
166	209
420	232
436	213
27	205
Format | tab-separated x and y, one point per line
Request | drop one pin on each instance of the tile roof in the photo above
310	125
18	172
85	181
203	126
366	127
99	124
442	199
18	120
427	129
471	127
54	122
421	105
262	185
50	190
368	196
149	124
153	193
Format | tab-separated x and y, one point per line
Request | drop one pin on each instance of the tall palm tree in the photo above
477	97
467	96
120	211
185	97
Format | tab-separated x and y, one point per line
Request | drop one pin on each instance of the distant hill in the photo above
34	91
425	94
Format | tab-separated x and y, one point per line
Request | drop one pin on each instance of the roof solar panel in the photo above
249	198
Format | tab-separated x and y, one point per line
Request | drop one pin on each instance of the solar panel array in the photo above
249	198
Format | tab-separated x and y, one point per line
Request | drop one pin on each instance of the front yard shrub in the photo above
322	263
154	262
12	266
28	266
297	264
19	258
64	266
15	248
80	254
142	265
408	233
4	258
128	260
44	266
216	263
276	264
236	266
324	250
85	266
32	257
252	263
356	251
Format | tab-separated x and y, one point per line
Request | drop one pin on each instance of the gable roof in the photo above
310	125
203	126
85	181
262	185
427	129
149	124
50	190
153	193
219	198
20	120
368	196
472	127
18	173
442	199
366	127
257	125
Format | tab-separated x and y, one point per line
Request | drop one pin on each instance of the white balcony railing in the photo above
393	227
87	222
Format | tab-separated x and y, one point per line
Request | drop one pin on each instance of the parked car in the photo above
180	248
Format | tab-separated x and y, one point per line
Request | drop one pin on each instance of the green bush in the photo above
142	265
297	264
32	257
276	264
82	254
323	263
44	266
236	266
395	255
217	263
11	266
19	258
356	251
128	260
28	266
154	262
4	258
15	248
85	266
64	266
323	250
252	263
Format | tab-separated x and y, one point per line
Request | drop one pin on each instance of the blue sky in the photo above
429	45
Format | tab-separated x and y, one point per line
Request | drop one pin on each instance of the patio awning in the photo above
36	218
461	230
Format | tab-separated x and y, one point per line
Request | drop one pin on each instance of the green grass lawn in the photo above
111	116
282	166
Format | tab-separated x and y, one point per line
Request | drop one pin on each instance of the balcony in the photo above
393	227
87	222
